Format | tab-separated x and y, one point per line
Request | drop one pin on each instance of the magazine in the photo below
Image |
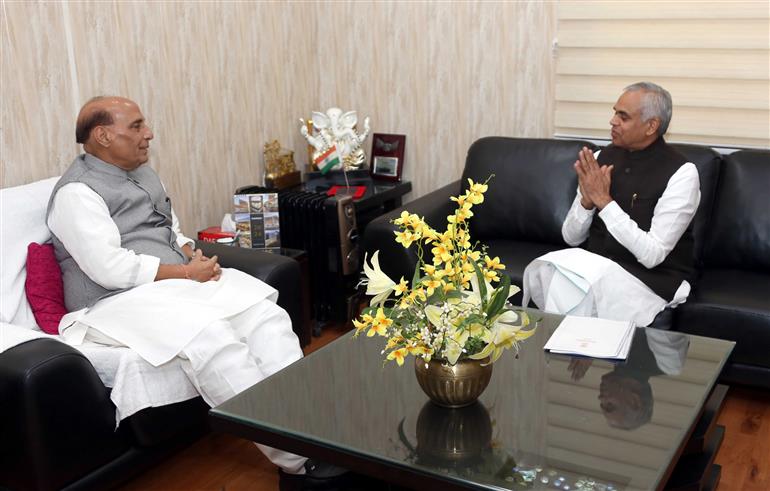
256	220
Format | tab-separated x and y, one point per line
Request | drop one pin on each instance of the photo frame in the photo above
387	156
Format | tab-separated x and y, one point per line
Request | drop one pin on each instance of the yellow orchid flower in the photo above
490	276
431	285
477	187
394	341
405	238
398	355
402	287
460	200
403	219
377	283
421	350
493	263
379	324
441	252
360	326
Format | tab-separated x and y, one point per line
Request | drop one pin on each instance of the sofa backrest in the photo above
533	187
708	162
739	232
22	220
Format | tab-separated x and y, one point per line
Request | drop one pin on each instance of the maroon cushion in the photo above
44	288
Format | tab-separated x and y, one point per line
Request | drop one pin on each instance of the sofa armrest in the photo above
280	272
395	260
56	418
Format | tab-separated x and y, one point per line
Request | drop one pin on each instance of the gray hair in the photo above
656	103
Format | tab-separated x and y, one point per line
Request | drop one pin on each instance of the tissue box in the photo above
211	234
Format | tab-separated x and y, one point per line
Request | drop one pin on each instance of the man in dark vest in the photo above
633	214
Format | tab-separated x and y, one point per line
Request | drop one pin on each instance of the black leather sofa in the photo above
57	423
529	196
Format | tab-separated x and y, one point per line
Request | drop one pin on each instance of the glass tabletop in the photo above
544	422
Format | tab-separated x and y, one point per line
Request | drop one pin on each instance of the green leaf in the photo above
499	298
416	276
454	294
482	284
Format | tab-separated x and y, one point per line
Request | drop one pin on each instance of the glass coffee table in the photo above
545	421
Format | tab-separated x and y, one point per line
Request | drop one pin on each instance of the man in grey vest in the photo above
132	279
633	214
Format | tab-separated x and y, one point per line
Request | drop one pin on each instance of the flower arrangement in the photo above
450	311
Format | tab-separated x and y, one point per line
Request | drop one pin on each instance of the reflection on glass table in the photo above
616	426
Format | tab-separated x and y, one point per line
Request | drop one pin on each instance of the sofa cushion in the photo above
739	235
532	191
44	287
708	162
22	220
731	304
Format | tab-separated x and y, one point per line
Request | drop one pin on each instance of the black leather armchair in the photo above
532	191
57	423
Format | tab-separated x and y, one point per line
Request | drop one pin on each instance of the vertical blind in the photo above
713	57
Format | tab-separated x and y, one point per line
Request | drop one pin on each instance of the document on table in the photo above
588	336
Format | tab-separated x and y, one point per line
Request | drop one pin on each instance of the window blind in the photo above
713	57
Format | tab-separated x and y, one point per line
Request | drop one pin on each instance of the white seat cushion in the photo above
22	220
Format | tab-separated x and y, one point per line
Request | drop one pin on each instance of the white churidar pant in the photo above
229	356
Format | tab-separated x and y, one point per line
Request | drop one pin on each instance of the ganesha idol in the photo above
337	128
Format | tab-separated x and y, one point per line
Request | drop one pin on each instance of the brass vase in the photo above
456	385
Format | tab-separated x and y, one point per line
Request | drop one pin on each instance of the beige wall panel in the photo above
218	80
727	93
209	78
37	129
677	9
443	74
665	33
695	63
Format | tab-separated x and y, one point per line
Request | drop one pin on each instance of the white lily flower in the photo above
377	283
513	290
433	313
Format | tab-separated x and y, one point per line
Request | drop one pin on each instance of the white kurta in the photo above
578	282
154	318
226	335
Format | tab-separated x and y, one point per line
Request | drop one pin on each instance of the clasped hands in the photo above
594	180
202	268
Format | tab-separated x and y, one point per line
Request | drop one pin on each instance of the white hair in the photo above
656	103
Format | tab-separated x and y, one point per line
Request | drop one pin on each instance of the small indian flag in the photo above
327	160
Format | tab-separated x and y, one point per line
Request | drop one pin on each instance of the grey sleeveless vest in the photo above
140	209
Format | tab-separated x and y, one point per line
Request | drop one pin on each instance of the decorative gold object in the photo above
456	385
453	437
280	171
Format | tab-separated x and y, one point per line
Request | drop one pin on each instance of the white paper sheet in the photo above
589	336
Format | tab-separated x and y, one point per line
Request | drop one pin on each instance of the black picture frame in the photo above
387	161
